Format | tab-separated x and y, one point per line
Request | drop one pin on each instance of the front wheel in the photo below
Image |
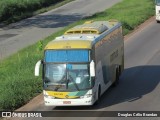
158	21
98	96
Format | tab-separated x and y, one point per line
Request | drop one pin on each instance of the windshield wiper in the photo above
46	80
56	88
73	83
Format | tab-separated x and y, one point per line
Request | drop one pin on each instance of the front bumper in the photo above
68	102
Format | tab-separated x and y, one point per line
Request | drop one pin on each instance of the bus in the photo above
157	3
79	66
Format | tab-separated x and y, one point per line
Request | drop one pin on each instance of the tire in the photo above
158	21
117	77
120	71
99	95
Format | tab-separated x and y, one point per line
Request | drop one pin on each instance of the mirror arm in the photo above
37	67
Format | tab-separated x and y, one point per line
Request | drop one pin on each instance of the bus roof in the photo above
90	27
83	36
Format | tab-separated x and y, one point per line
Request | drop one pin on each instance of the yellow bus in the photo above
79	66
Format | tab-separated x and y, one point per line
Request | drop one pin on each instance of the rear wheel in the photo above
118	72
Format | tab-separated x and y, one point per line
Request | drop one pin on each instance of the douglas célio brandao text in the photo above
137	114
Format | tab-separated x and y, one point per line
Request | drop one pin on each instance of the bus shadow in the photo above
45	21
134	83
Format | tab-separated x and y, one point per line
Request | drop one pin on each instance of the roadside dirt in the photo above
31	105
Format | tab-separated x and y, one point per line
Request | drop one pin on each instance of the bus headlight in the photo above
49	97
86	96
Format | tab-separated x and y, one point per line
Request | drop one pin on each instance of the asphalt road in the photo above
139	85
19	35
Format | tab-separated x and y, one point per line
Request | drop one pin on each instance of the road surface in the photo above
139	85
19	35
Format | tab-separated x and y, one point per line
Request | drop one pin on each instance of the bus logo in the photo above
67	96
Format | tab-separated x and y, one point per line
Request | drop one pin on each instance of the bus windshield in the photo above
66	77
158	2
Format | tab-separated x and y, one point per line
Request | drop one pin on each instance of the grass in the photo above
15	10
18	84
45	9
129	13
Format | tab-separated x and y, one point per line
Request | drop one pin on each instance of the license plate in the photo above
66	102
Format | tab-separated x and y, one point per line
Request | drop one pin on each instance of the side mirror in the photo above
37	67
92	69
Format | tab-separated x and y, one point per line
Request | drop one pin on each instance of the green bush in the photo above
12	9
130	13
